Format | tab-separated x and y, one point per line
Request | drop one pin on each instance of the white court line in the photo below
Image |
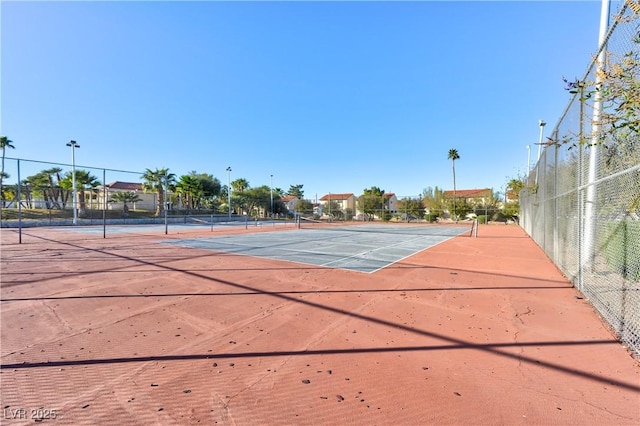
414	253
346	260
372	250
392	245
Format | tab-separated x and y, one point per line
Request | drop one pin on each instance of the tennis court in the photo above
215	327
363	248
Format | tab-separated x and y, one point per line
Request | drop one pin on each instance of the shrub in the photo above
620	248
432	217
499	217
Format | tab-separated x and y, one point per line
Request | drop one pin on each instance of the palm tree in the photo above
84	181
190	187
240	185
125	197
514	186
155	181
2	197
51	189
8	193
4	144
453	156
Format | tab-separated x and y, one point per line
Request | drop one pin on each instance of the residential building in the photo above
511	196
471	196
388	202
346	202
290	202
391	202
149	200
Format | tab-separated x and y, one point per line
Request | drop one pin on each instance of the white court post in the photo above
229	190
166	202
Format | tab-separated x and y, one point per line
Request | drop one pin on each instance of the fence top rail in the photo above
76	165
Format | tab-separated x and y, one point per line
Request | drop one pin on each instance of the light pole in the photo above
271	192
166	201
74	145
542	124
229	189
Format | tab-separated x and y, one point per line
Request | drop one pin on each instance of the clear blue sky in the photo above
336	96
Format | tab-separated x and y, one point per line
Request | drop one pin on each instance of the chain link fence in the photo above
581	202
40	193
401	208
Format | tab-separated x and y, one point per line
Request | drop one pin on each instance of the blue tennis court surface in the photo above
362	248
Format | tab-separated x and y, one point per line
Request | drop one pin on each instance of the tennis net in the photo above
388	228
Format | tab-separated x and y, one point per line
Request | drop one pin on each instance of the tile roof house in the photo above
390	205
471	195
511	196
148	202
391	202
345	201
290	202
348	200
125	186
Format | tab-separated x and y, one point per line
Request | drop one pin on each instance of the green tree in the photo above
238	198
125	197
48	184
411	207
240	185
371	201
296	191
514	186
190	188
453	156
304	207
257	200
155	181
9	192
333	209
85	181
224	193
32	186
211	188
199	189
511	208
433	198
4	144
620	119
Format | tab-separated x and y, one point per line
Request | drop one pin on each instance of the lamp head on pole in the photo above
542	123
73	144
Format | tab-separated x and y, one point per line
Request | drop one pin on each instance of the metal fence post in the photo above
19	206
